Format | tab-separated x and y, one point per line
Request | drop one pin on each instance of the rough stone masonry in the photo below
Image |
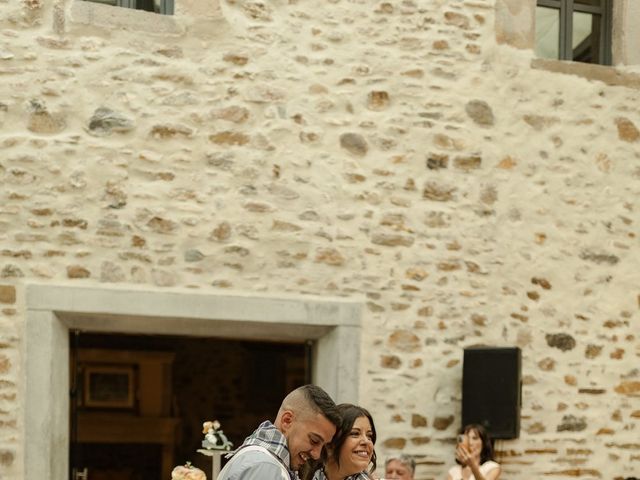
387	149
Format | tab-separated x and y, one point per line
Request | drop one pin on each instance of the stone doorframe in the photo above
52	310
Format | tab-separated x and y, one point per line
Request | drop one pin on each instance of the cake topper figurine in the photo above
214	437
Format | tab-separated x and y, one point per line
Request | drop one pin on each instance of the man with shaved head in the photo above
306	421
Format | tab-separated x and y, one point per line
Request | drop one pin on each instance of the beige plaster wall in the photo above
347	147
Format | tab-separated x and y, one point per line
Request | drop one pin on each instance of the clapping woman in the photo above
474	456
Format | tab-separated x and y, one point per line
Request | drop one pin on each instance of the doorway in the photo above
52	311
169	385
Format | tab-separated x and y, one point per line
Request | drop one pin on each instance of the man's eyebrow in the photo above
316	436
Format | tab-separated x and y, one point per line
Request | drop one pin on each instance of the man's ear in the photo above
286	420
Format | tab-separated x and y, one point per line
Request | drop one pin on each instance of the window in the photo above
164	7
578	30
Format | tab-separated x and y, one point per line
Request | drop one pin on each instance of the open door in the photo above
138	401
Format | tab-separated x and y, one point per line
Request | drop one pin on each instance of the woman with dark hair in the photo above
474	455
351	454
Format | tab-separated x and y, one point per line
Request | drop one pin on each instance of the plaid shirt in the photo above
320	475
269	437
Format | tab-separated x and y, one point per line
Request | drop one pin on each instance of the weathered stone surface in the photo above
437	161
591	391
5	364
354	143
507	163
255	10
233	113
162	225
627	131
390	361
592	351
173	51
374	307
221	160
442	423
7	457
561	341
258	207
416	273
540	122
449	266
547	364
480	112
533	295
230	138
110	227
418	420
329	256
163	278
265	94
571	423
105	121
599	257
77	271
536	427
628	388
239	59
138	257
617	354
468	163
378	100
396	443
222	232
420	440
479	320
7	294
193	255
53	43
111	273
391	240
405	341
11	271
544	283
394	220
457	19
440	45
181	99
309	137
165	131
438	192
42	121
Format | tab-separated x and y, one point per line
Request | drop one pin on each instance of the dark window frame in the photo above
567	8
167	7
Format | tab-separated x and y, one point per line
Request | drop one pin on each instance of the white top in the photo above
456	471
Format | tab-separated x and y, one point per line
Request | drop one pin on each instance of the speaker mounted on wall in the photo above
492	389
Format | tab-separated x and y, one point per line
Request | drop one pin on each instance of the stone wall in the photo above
388	149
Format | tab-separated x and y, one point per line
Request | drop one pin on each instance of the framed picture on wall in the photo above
107	386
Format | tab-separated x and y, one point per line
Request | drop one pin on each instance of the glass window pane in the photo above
595	3
547	32
586	37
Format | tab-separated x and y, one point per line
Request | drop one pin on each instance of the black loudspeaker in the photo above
492	389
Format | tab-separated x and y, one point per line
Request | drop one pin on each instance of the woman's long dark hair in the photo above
349	413
486	453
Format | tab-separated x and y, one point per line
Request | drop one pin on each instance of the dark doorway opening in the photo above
139	401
